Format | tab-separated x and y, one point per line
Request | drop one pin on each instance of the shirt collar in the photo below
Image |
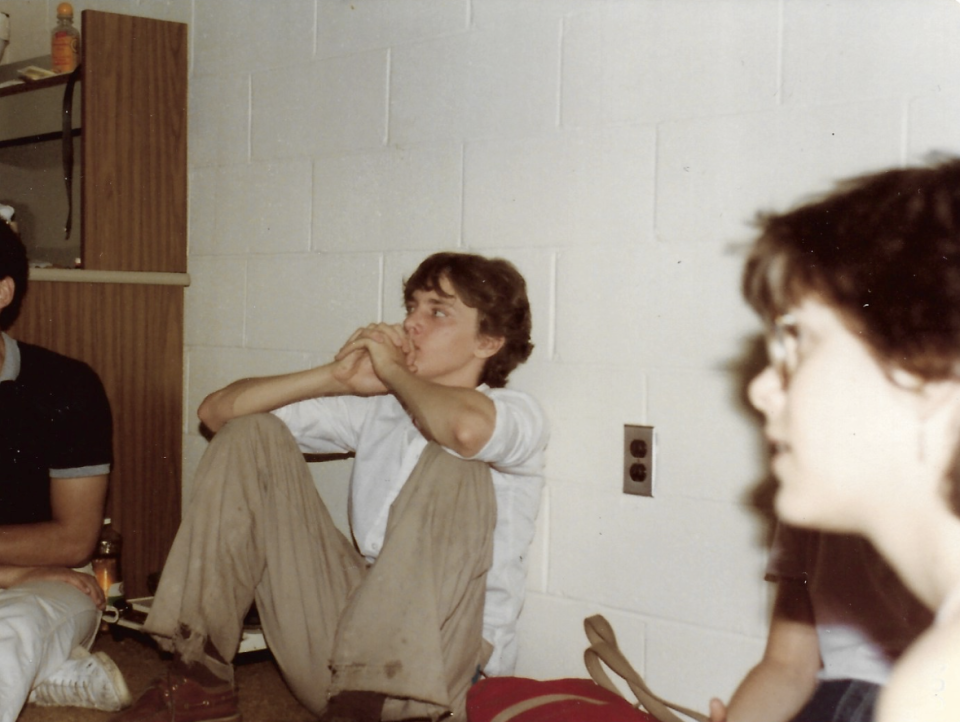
11	360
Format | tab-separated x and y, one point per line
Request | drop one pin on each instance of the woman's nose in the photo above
765	390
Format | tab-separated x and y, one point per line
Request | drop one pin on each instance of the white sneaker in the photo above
84	680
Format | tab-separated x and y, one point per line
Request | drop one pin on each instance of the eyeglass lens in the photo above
782	347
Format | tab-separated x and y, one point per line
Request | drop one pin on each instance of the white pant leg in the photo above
40	624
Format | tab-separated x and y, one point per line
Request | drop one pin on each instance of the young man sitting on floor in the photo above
55	456
444	495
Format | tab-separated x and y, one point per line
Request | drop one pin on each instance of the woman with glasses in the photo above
861	294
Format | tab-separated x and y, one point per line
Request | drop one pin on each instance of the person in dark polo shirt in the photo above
55	458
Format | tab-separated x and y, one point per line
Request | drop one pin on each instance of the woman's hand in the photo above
718	711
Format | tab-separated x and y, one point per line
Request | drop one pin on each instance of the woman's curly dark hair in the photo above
883	251
496	289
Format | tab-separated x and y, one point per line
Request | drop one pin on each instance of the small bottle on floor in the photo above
107	568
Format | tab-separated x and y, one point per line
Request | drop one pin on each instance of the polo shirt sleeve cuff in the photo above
80	472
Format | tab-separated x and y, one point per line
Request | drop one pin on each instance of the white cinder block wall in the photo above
616	152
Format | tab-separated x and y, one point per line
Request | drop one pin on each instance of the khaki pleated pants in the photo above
408	626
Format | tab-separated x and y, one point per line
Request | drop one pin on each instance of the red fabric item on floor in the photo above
517	699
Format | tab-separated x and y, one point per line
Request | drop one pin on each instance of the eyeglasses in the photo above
783	347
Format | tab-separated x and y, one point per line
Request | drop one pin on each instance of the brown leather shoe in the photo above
177	698
354	706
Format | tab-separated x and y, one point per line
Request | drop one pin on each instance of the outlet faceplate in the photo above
639	458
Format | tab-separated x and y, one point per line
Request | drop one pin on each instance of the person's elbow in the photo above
802	670
211	414
75	550
471	434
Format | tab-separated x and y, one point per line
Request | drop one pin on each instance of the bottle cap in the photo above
64	10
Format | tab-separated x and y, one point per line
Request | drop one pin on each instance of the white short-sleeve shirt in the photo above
387	446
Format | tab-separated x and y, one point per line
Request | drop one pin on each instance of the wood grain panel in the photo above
134	189
132	335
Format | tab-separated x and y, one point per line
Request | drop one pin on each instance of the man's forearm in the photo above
259	395
460	419
42	544
11	575
69	538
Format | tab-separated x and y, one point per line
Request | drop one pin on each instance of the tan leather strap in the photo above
519	708
603	650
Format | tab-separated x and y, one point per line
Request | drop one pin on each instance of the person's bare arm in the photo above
784	680
460	419
262	394
69	538
375	360
352	374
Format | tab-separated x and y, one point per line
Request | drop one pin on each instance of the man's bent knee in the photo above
255	424
43	606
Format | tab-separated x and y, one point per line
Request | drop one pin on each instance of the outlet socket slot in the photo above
639	459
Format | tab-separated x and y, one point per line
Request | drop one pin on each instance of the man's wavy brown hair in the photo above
496	289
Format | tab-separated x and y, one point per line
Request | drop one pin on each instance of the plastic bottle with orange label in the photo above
64	41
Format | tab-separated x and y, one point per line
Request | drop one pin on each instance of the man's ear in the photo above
7	289
489	345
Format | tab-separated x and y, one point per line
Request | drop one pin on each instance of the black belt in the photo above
68	145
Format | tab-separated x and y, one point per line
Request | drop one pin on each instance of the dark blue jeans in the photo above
841	700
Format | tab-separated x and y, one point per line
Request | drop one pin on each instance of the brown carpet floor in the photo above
263	695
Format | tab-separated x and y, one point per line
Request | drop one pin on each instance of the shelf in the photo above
81	275
32	85
8	71
32	111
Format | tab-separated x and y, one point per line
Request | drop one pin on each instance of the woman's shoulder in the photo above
925	684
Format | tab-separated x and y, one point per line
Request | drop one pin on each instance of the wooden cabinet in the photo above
122	312
134	140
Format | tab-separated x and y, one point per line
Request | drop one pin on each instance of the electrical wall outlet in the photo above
639	458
